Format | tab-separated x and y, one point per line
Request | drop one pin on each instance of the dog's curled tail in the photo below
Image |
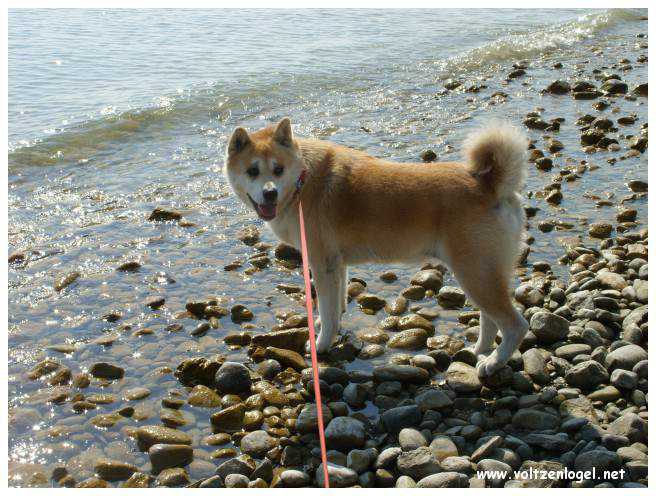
497	156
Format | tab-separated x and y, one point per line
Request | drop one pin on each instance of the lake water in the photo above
114	112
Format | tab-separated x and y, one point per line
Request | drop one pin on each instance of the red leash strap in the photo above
313	345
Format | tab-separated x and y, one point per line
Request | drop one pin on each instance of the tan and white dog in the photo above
361	209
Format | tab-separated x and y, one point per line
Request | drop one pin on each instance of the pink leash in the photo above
313	345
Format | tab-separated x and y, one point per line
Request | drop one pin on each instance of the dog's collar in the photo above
300	181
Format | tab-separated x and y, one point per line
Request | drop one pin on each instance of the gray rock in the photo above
387	458
625	357
295	478
418	463
587	375
497	468
630	425
236	481
463	378
600	460
411	439
457	464
355	395
548	327
432	399
532	419
345	433
405	482
445	479
401	373
485	449
451	297
442	447
257	443
337	475
624	379
233	378
307	420
399	417
535	365
234	466
361	460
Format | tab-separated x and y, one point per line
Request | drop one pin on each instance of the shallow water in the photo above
115	112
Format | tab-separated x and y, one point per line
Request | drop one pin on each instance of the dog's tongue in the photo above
268	211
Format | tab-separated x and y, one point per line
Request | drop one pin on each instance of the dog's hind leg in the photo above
486	282
486	336
342	288
328	281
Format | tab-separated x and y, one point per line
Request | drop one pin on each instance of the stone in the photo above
599	460
114	470
164	456
295	478
549	328
338	476
463	378
163	214
533	419
286	358
230	419
257	443
361	460
559	87
444	479
432	399
410	439
233	481
233	378
411	339
625	357
105	370
429	279
149	435
345	433
486	449
418	463
401	373
237	465
451	297
587	375
442	447
307	420
66	280
204	397
400	417
631	426
370	301
535	365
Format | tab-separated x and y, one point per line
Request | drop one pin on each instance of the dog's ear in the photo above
283	133
238	141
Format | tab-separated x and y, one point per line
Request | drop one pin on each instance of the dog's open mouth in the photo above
265	211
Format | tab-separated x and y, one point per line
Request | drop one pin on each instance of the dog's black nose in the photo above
270	194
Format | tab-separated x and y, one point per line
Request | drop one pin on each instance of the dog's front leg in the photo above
327	280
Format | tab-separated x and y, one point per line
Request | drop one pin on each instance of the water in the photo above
113	112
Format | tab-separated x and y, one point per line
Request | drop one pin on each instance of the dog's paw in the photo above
487	366
321	347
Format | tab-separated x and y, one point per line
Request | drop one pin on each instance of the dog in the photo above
360	209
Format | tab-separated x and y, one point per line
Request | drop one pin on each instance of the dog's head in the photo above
263	167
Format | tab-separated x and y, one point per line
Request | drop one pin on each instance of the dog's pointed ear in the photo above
238	141
283	134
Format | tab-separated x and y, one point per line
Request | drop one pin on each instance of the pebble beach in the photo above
157	329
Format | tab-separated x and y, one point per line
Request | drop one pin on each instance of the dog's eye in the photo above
253	171
278	170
